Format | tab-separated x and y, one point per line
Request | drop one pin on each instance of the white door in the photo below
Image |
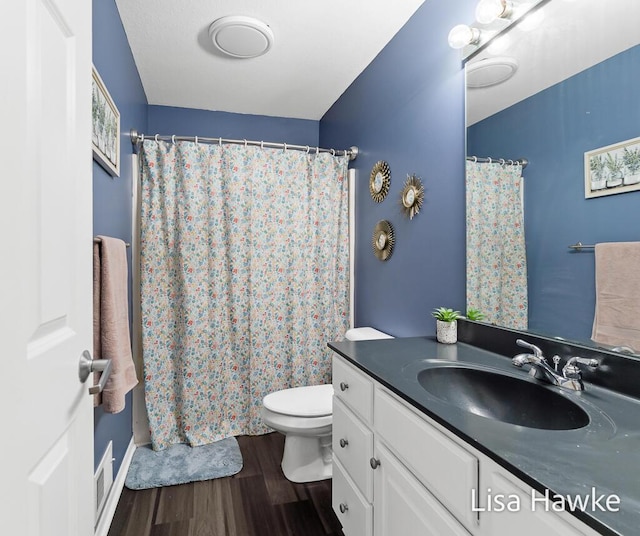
46	414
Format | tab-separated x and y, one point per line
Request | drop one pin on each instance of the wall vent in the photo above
103	479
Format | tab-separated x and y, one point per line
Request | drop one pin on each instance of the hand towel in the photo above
617	315
111	320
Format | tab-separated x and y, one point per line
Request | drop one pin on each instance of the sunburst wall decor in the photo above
383	240
412	196
379	181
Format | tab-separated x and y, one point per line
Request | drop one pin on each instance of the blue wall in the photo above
112	195
407	108
166	120
553	129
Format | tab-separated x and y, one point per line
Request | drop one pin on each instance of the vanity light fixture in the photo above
488	11
462	35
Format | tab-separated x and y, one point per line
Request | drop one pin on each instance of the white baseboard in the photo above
104	523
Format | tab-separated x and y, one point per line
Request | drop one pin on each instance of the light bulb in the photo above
462	35
490	10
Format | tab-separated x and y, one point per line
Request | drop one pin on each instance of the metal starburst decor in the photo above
383	240
379	181
412	196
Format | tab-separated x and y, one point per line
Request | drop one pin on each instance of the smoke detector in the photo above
241	37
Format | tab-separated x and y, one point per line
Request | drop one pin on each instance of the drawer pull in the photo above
374	463
343	507
344	386
344	443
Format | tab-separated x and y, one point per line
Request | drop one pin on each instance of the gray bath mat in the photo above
180	464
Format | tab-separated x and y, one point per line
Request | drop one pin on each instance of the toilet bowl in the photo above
305	415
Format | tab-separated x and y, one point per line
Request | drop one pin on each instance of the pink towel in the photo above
617	316
111	321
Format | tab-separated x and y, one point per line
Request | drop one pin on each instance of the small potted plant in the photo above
446	324
598	178
631	159
615	170
474	314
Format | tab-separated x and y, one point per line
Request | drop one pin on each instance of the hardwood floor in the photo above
256	501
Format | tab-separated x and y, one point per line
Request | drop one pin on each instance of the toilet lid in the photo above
309	401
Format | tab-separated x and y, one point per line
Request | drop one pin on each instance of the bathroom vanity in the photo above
411	458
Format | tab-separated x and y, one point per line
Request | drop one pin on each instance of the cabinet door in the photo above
403	506
353	446
449	471
523	521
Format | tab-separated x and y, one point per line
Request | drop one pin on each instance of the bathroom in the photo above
408	108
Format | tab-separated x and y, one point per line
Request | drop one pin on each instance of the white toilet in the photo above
304	415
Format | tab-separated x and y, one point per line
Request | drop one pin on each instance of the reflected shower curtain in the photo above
244	279
496	257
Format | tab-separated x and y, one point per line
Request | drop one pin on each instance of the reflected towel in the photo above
111	320
617	316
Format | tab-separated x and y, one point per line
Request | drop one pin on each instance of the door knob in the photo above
344	386
344	443
374	463
88	365
343	507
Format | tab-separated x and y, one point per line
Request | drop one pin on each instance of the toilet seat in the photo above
308	401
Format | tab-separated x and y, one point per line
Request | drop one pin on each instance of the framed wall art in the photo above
105	135
614	169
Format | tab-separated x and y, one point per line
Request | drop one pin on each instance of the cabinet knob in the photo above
343	507
374	463
344	443
344	386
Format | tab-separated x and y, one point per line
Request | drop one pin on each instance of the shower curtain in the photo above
244	279
496	257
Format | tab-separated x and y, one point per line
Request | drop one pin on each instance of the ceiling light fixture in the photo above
488	11
462	35
241	37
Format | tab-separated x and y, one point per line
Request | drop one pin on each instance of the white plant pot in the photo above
632	179
447	332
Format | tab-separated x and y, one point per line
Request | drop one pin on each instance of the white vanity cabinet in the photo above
396	471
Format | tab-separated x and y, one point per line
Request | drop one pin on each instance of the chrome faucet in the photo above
569	378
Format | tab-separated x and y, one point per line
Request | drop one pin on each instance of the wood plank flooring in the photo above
256	501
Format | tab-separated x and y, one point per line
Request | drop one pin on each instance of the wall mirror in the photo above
549	90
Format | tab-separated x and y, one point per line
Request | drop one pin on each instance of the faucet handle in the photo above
571	369
536	351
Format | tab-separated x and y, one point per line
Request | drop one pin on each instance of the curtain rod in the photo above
352	152
522	161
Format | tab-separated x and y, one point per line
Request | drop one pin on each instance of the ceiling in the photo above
572	36
319	49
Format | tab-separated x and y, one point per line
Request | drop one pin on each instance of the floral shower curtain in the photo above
244	279
496	257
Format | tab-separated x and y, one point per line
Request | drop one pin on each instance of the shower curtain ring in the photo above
173	139
489	160
475	159
307	149
511	162
285	148
261	144
502	162
156	138
333	152
141	138
317	150
220	142
196	139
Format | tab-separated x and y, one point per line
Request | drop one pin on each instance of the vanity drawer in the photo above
354	512
353	446
354	388
444	467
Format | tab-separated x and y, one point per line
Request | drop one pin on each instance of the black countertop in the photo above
604	455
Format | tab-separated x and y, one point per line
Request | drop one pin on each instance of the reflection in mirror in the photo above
561	86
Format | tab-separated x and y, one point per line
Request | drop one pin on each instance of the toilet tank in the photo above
365	334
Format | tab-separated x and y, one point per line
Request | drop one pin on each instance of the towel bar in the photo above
580	246
97	240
